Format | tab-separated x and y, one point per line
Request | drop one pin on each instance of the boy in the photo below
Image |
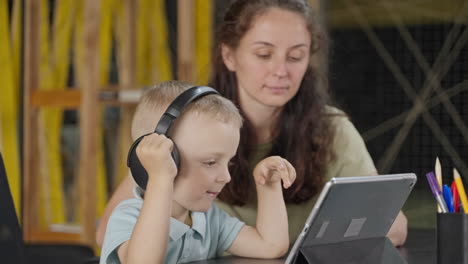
177	222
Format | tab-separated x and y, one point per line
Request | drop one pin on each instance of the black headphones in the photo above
162	128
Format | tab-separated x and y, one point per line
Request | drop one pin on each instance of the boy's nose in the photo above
224	177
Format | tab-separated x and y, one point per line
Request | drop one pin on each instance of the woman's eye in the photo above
296	55
263	56
295	59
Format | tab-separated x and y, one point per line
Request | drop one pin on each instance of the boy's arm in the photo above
270	237
148	243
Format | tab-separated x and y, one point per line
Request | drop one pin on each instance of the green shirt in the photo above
351	159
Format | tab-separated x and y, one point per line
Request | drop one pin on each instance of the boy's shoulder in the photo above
217	218
215	213
133	204
119	228
126	213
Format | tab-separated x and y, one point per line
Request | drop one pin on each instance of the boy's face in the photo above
206	147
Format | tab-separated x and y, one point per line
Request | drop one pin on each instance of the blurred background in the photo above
71	72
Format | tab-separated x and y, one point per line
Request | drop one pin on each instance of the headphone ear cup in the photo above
139	173
175	155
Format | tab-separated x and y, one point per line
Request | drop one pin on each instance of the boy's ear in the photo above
228	57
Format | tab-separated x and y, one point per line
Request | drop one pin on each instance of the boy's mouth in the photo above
212	194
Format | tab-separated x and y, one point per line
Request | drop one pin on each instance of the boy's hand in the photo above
154	153
274	169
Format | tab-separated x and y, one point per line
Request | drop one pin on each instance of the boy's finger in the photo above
286	180
284	173
260	180
265	172
277	166
291	172
168	144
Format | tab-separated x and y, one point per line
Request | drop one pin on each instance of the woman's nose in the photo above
280	68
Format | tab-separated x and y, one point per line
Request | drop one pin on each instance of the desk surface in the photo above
420	248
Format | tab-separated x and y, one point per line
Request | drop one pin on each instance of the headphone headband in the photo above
175	108
172	112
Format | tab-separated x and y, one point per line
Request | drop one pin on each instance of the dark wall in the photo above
370	93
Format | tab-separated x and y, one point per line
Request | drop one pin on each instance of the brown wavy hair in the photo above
304	133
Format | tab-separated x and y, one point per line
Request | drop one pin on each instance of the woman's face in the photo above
271	58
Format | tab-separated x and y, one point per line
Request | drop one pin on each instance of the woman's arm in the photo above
399	230
353	159
124	191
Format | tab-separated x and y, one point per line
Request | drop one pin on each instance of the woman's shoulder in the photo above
344	129
351	155
339	120
334	111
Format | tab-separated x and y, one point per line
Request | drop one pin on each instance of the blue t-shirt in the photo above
211	233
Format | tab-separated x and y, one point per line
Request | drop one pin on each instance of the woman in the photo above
264	63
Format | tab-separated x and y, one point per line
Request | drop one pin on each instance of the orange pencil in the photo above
461	190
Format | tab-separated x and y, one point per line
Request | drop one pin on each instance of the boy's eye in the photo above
209	163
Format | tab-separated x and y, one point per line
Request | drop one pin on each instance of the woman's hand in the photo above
274	169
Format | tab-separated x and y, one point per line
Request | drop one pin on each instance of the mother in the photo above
266	62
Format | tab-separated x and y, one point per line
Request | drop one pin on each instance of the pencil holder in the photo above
452	238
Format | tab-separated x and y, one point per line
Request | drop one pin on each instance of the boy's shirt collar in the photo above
177	228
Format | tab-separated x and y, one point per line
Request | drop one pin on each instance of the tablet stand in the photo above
363	251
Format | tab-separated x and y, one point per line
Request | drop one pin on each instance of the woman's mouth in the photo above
277	89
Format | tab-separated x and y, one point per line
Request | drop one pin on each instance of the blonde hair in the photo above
155	101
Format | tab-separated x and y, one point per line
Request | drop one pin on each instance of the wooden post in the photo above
30	118
127	55
185	40
127	65
88	123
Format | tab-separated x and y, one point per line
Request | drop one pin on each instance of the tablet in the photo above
353	208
